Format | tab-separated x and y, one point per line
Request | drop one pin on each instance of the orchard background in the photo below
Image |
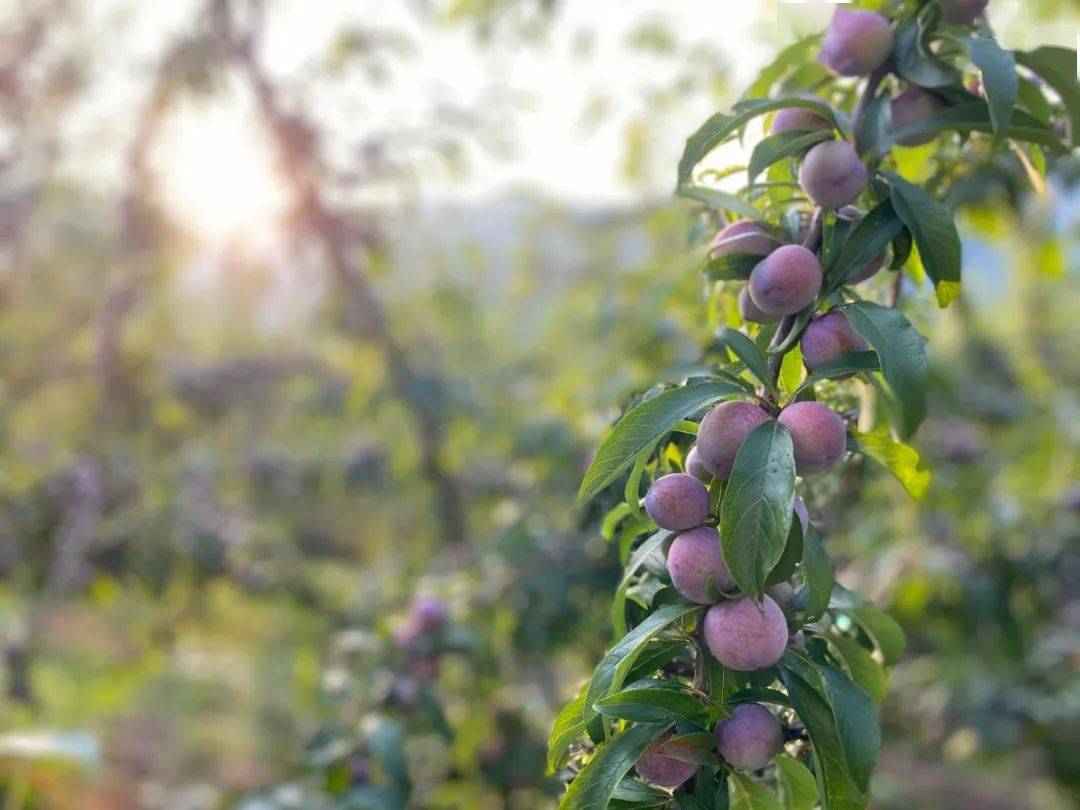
311	319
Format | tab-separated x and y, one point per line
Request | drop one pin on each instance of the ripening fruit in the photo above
830	337
798	119
741	635
1061	127
428	613
722	433
817	434
803	514
677	501
911	107
744	236
693	558
750	738
962	12
662	771
832	174
695	468
752	312
853	215
782	593
857	42
786	280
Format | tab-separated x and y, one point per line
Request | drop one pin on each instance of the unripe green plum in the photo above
677	501
857	42
694	558
750	738
722	433
660	770
817	434
798	119
962	12
695	468
853	215
786	280
744	636
752	312
744	236
782	593
911	107
828	338
832	175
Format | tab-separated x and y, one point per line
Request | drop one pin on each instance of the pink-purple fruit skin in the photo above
677	501
830	337
962	12
802	513
429	613
744	236
751	312
742	636
817	435
853	215
832	175
722	433
786	280
657	769
750	738
782	593
798	119
911	107
857	42
694	558
695	468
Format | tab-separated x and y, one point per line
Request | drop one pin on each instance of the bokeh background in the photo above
311	310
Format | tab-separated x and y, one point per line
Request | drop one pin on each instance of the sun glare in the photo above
216	174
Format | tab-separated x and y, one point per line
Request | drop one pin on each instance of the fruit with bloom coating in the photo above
744	236
428	613
817	435
828	338
722	433
962	12
660	770
832	174
782	593
694	558
677	501
695	468
750	738
752	312
857	42
786	280
912	107
799	119
745	636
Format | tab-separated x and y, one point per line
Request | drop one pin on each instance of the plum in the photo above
828	338
745	636
693	558
832	174
695	468
752	312
962	12
677	501
744	236
660	770
817	433
782	593
798	119
786	280
722	433
857	42
429	613
750	738
912	107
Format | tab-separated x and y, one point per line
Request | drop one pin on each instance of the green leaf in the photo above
654	701
697	747
746	794
646	424
870	236
748	352
880	626
839	789
611	671
917	63
874	125
722	126
857	723
637	559
793	551
901	350
798	790
818	575
794	55
657	652
793	335
859	662
1057	66
791	372
612	520
775	148
848	364
999	79
900	459
1031	97
932	225
974	116
640	794
599	779
721	200
731	266
569	725
756	510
